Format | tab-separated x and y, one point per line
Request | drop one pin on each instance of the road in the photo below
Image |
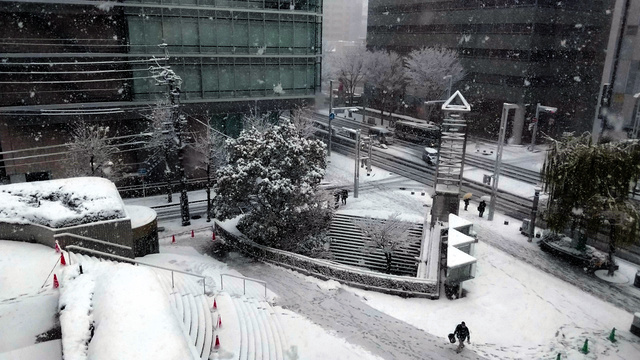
624	296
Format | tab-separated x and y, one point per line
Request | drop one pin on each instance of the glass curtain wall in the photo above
230	54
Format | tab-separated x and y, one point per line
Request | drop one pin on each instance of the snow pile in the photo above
61	203
117	311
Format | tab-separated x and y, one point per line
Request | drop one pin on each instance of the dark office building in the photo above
63	61
518	51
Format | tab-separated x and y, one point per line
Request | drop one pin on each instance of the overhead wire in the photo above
110	62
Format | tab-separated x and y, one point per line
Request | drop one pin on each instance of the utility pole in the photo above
539	108
496	172
534	211
331	116
356	174
369	159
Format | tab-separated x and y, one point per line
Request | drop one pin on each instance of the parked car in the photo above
430	155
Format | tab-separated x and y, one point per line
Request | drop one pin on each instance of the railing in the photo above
244	283
136	262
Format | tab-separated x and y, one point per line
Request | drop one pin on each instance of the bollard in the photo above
585	347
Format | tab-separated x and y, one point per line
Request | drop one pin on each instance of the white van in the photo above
430	155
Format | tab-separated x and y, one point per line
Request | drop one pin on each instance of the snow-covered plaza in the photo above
514	309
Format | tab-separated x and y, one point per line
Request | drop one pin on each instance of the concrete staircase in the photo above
261	334
348	248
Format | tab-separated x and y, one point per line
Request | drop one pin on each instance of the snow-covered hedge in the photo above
61	203
392	284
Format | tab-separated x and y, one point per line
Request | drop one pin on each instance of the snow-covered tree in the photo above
349	67
91	152
212	154
272	176
302	119
426	69
388	236
589	185
163	143
386	75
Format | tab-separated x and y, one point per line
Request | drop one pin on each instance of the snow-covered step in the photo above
283	337
200	327
258	336
269	341
208	328
270	319
246	330
232	334
193	320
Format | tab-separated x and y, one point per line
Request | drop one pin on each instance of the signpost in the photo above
539	108
142	172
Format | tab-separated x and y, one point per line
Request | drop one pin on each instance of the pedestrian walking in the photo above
336	196
462	333
481	207
466	204
345	195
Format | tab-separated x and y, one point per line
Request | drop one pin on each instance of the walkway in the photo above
352	319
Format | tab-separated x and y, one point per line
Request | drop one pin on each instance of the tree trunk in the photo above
612	249
388	258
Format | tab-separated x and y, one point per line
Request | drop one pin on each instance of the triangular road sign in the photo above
456	102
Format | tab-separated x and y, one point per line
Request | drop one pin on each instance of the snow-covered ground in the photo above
515	310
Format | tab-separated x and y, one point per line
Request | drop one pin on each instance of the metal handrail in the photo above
244	283
126	259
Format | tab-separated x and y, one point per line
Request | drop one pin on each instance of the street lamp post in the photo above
496	172
534	212
539	108
331	115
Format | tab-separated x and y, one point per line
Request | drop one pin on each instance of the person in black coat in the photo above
466	204
481	207
462	333
344	194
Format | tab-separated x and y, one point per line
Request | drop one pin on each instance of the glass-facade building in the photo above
64	57
517	51
230	49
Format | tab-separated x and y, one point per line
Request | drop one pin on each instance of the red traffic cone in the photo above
217	342
215	306
219	321
173	239
62	261
192	234
56	284
57	247
213	236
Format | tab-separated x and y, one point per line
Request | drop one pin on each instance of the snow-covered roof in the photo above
456	238
61	203
140	215
456	221
458	258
